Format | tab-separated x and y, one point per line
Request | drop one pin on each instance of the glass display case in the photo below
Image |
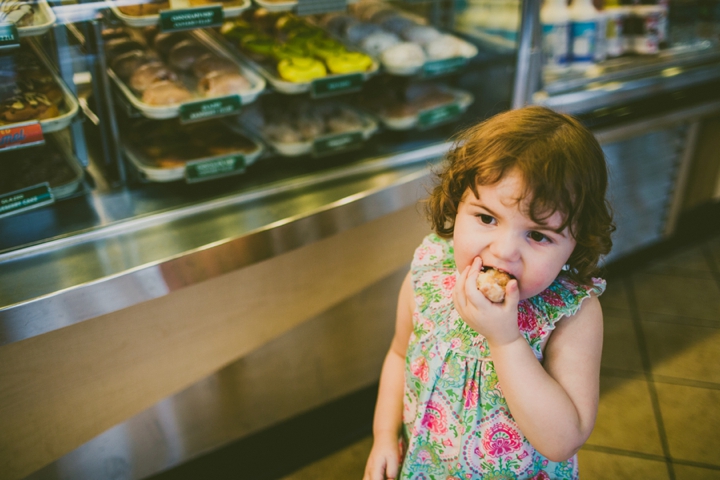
151	148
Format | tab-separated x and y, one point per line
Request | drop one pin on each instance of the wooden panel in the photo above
63	388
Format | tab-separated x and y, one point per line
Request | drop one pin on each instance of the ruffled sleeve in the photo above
538	316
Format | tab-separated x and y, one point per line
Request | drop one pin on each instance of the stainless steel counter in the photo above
130	259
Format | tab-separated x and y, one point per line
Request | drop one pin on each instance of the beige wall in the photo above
63	388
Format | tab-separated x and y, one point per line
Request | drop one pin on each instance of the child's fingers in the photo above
512	294
391	469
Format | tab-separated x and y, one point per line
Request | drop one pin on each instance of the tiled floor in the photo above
659	415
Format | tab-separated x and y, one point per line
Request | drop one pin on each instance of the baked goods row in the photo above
405	44
291	52
30	17
29	90
159	72
136	13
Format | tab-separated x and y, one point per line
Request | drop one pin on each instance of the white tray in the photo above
152	20
285	6
409	71
292	88
70	104
257	84
44	18
462	98
301	148
157	174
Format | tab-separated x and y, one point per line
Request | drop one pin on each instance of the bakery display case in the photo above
160	162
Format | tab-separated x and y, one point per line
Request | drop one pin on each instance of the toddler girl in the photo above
472	389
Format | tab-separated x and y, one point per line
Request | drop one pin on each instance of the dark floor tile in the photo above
615	295
686	262
348	463
620	346
695	297
687	472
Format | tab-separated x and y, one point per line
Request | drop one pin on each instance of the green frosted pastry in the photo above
301	69
349	62
326	47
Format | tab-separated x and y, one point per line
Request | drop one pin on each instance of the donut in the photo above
492	283
300	69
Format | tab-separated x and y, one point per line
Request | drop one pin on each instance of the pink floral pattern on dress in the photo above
456	423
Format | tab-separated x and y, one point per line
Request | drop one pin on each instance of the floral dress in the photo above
456	423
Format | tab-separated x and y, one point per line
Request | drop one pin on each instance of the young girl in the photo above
472	389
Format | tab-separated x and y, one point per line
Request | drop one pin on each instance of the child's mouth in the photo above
485	268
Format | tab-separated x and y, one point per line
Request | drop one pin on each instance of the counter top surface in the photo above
121	263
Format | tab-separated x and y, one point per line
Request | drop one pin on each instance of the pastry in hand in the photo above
492	283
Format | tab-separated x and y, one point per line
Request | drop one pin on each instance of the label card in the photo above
336	143
435	116
25	199
9	37
325	87
201	170
314	7
435	68
21	135
215	107
189	18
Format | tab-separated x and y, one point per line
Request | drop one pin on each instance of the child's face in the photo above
495	228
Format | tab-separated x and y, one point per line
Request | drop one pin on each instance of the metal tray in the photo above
70	103
40	25
295	149
463	100
152	20
159	174
170	111
66	189
293	88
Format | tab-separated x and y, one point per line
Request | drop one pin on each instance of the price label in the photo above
435	68
201	170
216	107
25	199
315	7
189	18
19	136
336	143
324	87
9	37
435	116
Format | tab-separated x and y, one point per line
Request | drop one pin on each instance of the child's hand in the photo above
497	322
384	460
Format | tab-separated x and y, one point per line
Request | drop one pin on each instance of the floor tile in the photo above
601	466
686	472
347	463
683	351
695	297
686	262
713	246
625	417
692	422
620	347
615	295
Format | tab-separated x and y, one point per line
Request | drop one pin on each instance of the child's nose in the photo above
505	247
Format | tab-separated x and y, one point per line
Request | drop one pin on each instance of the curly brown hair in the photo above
561	163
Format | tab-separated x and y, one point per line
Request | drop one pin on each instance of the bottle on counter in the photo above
614	28
587	33
555	19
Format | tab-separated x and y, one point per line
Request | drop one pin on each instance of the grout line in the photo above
625	453
686	382
647	367
647	456
711	262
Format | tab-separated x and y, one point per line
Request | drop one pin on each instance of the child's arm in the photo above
384	458
554	403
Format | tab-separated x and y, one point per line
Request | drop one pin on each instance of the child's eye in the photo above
486	219
539	237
